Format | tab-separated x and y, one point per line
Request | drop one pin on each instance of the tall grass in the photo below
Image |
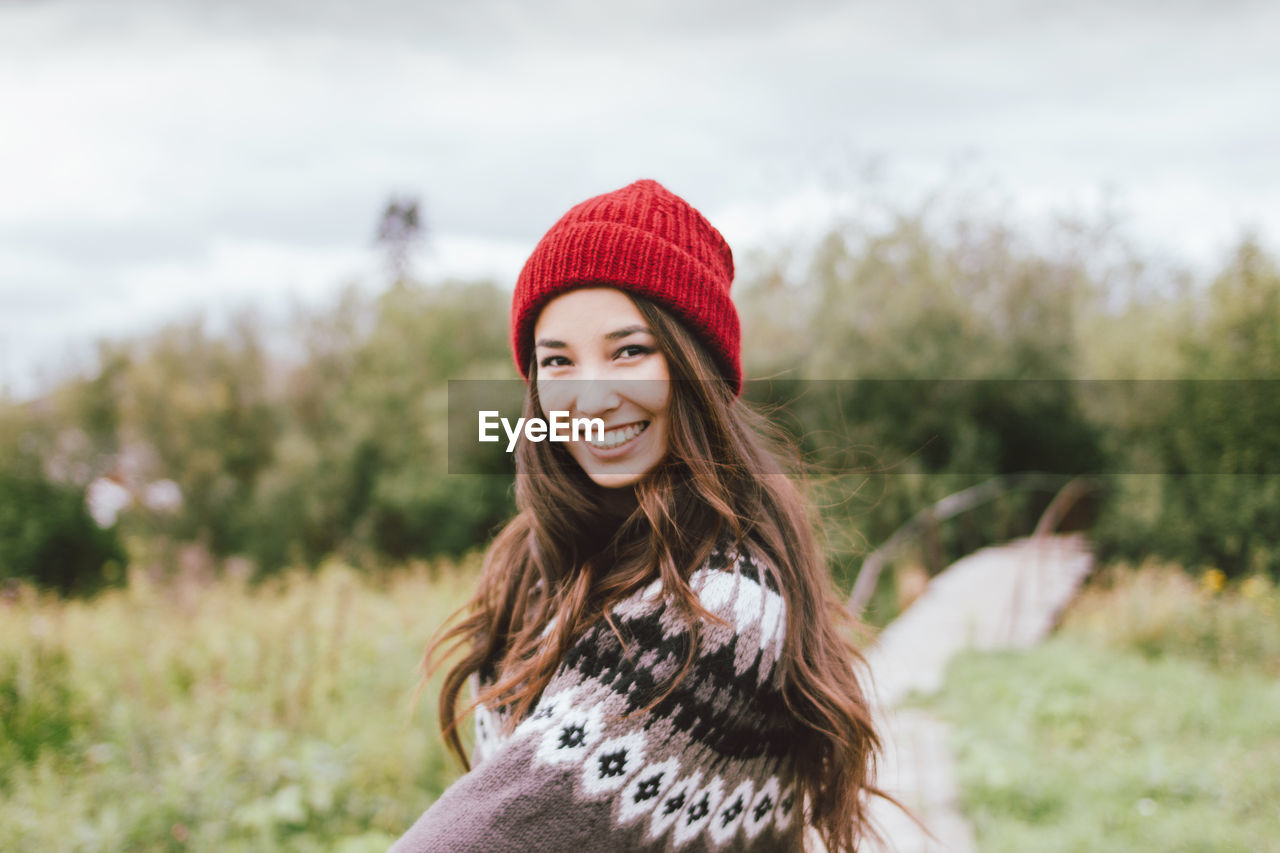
1158	610
201	717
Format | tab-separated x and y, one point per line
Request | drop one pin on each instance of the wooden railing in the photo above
927	520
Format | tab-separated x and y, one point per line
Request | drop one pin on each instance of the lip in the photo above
622	449
612	427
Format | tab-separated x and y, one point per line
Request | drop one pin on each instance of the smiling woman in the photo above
598	358
655	651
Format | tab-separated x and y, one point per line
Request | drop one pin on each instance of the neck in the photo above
619	502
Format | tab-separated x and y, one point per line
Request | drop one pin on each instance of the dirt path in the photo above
1008	596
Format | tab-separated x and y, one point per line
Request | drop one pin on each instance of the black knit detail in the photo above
735	714
735	809
726	552
699	809
613	763
649	788
572	736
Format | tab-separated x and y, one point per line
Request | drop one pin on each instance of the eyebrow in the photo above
617	334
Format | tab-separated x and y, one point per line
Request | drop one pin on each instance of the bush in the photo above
47	535
1159	610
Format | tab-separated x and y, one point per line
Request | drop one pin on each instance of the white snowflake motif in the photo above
647	789
703	804
733	810
488	733
761	809
548	711
673	804
612	763
572	737
786	807
716	589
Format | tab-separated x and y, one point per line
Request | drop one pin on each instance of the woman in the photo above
658	659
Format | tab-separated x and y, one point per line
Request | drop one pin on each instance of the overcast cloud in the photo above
158	157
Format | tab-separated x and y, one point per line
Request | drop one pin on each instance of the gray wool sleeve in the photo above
610	759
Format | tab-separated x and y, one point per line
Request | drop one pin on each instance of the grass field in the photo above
1151	721
222	717
218	718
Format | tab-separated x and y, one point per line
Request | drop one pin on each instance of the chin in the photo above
619	475
614	477
615	481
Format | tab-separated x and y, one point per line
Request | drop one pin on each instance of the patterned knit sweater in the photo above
709	768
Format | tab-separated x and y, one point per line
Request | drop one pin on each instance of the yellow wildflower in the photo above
1213	581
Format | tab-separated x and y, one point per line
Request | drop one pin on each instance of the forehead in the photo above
586	312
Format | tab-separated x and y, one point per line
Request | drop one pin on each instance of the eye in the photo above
633	351
553	361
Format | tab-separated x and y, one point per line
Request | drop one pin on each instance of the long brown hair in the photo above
559	565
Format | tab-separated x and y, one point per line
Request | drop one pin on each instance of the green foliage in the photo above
1159	611
362	465
337	448
951	354
40	710
953	348
1214	438
203	404
966	353
46	533
219	717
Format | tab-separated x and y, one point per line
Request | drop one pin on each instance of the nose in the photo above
594	397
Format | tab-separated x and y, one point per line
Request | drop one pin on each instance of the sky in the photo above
165	157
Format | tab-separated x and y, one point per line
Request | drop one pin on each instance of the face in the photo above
598	358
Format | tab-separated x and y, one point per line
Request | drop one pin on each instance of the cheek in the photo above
653	396
552	396
661	403
657	387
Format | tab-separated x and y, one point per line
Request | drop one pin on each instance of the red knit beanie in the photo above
641	239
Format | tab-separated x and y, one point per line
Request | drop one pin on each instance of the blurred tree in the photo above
46	534
908	362
952	356
363	462
400	228
1220	435
203	405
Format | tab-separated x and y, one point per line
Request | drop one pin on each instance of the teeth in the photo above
614	437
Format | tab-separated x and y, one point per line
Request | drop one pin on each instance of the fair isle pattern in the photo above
707	768
736	662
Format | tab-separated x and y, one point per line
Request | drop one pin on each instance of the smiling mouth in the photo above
617	437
